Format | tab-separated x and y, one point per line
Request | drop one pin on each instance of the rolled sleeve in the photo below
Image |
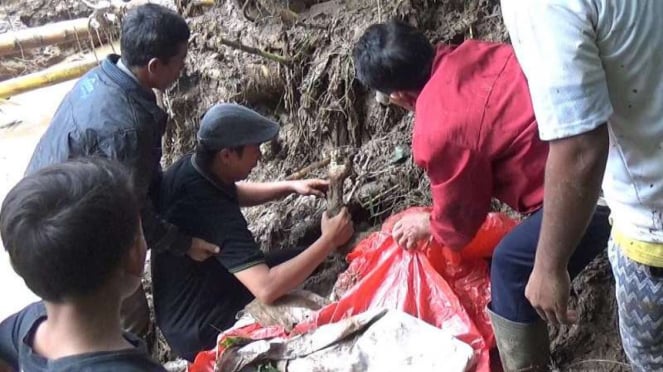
461	187
556	44
222	223
240	251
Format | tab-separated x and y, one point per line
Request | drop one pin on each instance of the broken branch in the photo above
308	169
259	52
46	77
339	170
14	42
53	75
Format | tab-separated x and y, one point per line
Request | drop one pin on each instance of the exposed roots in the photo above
321	107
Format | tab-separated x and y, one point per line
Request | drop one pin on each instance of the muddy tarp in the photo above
376	340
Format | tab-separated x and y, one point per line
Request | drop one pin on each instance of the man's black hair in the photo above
393	56
67	227
205	156
151	31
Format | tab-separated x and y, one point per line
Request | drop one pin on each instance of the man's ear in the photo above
403	95
153	65
403	99
135	260
224	154
411	95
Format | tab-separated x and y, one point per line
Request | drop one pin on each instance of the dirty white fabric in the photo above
589	62
374	341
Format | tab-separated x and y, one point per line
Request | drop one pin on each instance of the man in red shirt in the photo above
476	137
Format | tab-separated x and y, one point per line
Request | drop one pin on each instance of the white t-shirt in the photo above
589	62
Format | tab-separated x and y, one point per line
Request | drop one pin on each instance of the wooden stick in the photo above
249	49
35	37
308	169
53	75
339	170
50	76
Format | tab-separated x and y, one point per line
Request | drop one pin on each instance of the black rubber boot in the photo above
523	347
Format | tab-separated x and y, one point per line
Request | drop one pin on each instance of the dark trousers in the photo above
513	262
195	327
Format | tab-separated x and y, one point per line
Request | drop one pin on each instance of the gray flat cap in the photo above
227	125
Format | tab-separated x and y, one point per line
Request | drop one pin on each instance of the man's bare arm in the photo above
574	172
269	284
256	193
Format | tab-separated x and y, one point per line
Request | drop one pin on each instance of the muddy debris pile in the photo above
298	70
292	61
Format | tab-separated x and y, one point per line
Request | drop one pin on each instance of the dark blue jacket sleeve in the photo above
9	339
14	329
131	148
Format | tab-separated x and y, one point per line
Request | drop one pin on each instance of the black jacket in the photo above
108	114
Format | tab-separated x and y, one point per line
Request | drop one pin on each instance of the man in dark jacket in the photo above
112	113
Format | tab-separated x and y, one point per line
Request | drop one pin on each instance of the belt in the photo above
646	253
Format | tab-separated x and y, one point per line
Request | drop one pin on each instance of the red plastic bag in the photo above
444	288
489	235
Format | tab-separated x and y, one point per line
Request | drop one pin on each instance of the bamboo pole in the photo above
298	175
252	50
35	37
50	76
56	33
55	74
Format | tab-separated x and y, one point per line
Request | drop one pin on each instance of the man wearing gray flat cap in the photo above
202	195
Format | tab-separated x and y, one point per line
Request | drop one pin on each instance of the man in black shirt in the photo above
73	233
201	195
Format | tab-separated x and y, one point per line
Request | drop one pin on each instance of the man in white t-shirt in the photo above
595	70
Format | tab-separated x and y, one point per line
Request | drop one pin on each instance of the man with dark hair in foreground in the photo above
73	233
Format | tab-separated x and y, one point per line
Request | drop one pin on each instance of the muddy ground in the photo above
308	85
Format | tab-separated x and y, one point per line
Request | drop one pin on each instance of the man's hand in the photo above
548	292
339	228
315	187
411	229
201	250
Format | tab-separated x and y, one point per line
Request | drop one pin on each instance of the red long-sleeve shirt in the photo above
476	137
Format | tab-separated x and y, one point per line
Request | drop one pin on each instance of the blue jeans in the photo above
513	262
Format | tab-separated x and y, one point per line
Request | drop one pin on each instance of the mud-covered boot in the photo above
523	347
